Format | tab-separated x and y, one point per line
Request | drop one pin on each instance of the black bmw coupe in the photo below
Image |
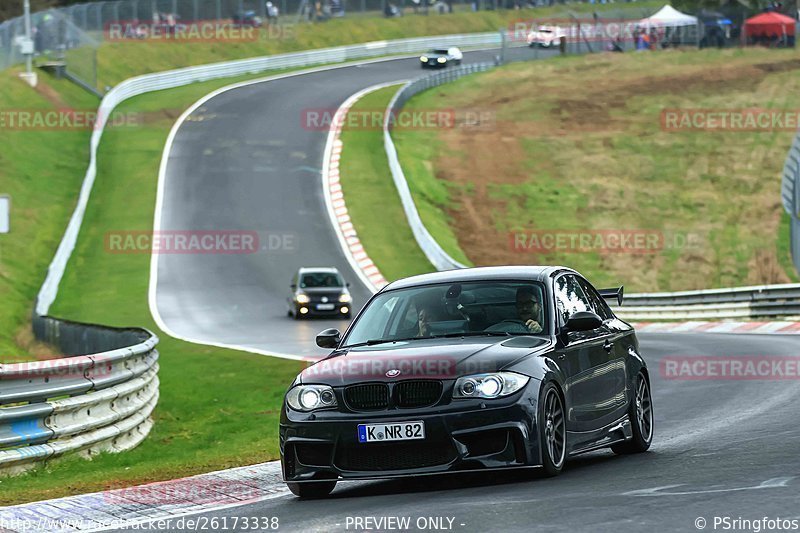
481	368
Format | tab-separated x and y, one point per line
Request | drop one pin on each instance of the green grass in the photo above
203	422
416	148
117	61
372	199
42	171
588	152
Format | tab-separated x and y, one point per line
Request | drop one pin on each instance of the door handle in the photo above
608	345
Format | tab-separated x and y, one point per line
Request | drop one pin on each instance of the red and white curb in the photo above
354	246
770	328
334	197
148	504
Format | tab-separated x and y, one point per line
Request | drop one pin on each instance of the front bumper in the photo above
457	437
314	311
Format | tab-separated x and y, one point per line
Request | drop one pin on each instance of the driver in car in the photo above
529	309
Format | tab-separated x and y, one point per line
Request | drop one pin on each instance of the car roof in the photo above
309	270
535	273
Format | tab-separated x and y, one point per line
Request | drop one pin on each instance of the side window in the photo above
570	297
599	305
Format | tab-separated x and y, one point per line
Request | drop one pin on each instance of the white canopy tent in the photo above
668	17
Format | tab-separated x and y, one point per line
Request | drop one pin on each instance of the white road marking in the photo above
773	483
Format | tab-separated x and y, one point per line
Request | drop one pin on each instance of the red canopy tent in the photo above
769	24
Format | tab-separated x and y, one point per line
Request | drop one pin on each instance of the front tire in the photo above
640	413
552	430
312	489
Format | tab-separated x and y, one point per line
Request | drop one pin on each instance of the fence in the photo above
70	36
81	403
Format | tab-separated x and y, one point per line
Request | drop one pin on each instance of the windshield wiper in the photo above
373	342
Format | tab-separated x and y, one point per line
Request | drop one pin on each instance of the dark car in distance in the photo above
319	291
473	369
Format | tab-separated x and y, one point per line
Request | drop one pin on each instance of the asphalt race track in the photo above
721	448
245	161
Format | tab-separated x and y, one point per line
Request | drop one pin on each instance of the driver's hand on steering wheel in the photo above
533	326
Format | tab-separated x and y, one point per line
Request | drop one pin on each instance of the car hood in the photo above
425	359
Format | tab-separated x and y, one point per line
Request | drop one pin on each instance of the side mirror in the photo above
329	338
293	286
583	321
347	284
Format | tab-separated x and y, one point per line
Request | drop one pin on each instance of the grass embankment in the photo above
371	196
117	61
204	420
577	145
41	169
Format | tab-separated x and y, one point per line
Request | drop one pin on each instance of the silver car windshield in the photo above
484	308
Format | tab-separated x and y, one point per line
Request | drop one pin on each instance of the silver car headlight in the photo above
309	397
494	385
442	60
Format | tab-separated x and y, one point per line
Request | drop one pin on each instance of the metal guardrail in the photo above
81	403
433	251
754	302
790	197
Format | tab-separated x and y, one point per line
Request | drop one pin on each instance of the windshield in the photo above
441	51
314	280
453	309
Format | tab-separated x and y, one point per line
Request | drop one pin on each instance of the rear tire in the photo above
640	413
552	430
312	489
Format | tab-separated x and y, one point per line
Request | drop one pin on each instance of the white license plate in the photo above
325	307
389	432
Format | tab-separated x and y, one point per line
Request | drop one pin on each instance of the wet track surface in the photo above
245	161
248	160
721	448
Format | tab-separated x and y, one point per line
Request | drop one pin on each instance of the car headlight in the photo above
442	59
302	298
310	397
344	298
494	385
424	59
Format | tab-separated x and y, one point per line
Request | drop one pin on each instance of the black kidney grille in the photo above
368	396
393	456
419	393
